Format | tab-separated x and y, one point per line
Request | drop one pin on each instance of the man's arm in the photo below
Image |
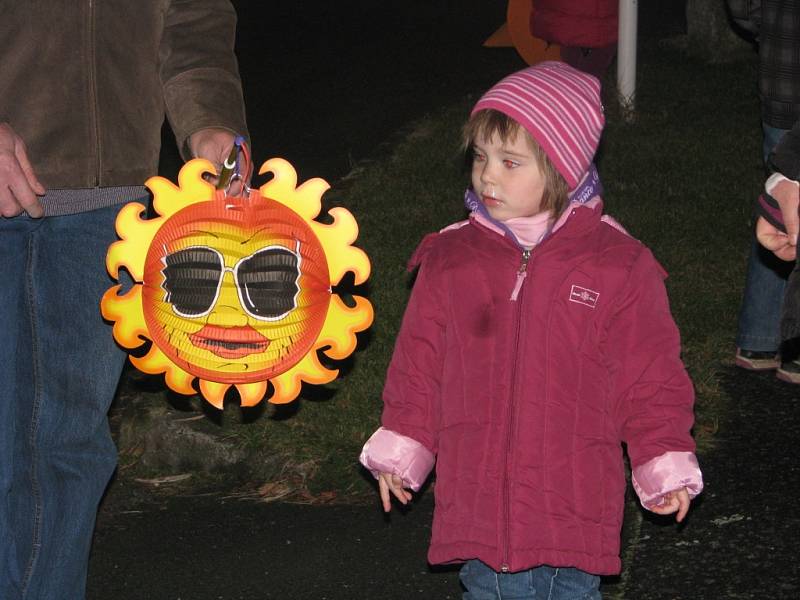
200	77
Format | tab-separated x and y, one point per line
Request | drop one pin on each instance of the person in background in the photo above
84	87
537	339
586	30
776	24
777	228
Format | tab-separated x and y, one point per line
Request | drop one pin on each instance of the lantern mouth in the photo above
230	342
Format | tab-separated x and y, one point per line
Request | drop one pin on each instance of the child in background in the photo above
537	339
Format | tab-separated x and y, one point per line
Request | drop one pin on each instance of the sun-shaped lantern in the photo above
236	290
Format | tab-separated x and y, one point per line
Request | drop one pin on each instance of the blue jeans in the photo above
59	369
540	583
760	314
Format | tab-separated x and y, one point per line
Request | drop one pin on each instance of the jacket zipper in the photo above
521	274
93	101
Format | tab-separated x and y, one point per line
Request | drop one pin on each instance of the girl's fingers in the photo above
674	502
397	489
384	491
391	485
683	500
668	506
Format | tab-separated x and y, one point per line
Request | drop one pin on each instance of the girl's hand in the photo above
387	482
677	501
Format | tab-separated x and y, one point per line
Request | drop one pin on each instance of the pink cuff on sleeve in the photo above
666	473
389	452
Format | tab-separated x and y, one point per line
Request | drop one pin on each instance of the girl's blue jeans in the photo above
59	368
540	583
760	313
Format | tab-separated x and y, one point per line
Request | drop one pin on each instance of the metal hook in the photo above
228	170
231	168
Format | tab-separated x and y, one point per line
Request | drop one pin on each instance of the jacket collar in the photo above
580	214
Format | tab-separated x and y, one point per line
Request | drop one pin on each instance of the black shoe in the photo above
758	360
789	371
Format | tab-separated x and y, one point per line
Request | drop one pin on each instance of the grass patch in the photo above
396	201
681	178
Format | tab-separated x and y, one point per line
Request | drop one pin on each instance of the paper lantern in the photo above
516	31
236	290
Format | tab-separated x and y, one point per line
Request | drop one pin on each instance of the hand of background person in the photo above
672	502
19	185
775	240
783	245
213	143
390	483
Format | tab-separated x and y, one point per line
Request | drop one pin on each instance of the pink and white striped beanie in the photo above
560	107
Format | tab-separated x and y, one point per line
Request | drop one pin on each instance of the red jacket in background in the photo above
581	23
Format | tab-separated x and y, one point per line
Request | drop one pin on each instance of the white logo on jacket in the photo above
584	296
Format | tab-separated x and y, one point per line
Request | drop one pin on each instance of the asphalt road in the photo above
739	542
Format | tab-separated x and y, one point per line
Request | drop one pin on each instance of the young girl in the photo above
537	340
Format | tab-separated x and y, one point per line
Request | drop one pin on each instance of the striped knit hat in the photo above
560	107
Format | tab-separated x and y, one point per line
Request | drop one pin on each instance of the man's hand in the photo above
787	193
389	483
213	144
673	502
783	245
775	240
19	185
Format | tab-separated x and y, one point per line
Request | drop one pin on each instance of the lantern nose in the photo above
228	311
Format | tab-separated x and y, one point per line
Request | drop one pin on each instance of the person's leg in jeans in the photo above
68	365
540	583
758	334
565	583
483	583
15	381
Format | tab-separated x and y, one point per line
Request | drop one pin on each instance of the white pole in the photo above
626	55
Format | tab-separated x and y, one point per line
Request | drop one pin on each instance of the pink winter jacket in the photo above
525	403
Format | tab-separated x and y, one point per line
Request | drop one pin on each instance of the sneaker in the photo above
789	371
758	361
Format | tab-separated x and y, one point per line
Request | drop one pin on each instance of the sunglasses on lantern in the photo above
266	281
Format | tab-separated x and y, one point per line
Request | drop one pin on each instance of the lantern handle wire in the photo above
236	168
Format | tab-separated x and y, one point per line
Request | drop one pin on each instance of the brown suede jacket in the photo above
89	104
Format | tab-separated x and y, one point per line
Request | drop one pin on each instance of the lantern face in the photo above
234	290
